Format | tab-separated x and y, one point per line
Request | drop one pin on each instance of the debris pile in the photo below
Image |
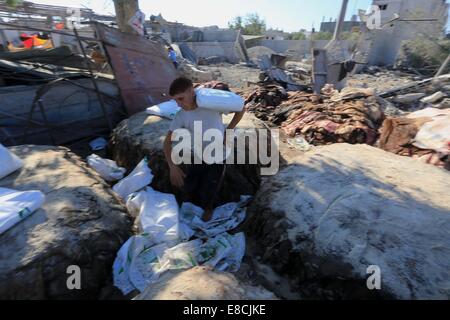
274	69
213	85
423	134
264	100
187	69
353	115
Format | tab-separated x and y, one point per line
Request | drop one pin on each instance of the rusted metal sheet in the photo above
141	67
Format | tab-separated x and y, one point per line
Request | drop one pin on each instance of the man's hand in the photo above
177	176
236	118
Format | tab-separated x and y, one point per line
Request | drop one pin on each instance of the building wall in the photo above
220	35
331	26
296	48
220	49
388	41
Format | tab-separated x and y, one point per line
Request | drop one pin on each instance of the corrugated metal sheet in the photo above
141	67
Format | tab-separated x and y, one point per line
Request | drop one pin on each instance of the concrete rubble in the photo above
202	283
335	210
81	219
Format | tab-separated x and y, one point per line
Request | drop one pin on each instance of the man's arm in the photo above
236	118
176	174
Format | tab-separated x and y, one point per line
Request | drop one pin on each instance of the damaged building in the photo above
403	20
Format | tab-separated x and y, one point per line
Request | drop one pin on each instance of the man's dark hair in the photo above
180	85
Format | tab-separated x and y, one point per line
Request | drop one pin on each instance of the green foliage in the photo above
251	24
322	36
297	36
13	3
237	23
424	54
351	36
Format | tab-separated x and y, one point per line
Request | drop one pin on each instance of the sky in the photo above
288	15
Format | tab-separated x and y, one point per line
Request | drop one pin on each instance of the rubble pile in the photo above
381	79
421	94
213	85
352	116
423	135
187	69
264	100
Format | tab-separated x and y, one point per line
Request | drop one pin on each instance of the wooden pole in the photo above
125	10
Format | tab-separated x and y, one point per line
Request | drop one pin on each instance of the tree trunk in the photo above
125	9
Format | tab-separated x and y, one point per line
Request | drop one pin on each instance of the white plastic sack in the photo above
17	205
224	218
139	178
224	252
434	135
181	256
9	162
219	100
139	264
107	169
156	212
166	109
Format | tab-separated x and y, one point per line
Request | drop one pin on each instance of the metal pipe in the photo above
94	82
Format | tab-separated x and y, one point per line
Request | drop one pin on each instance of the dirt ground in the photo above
235	75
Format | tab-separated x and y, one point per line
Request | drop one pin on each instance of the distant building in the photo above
179	32
347	27
275	35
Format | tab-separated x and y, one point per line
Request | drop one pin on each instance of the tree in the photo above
13	3
351	36
297	36
251	24
236	23
322	36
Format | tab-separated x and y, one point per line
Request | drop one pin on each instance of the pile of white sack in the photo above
15	205
173	237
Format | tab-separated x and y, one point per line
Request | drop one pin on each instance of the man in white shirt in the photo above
201	181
